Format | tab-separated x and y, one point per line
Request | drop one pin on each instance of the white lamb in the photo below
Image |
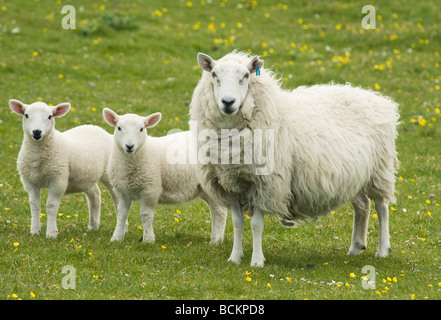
63	162
140	169
332	144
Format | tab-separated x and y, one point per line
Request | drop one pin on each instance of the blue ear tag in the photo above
257	71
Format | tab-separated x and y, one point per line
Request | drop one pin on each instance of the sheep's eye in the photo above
213	75
141	130
49	118
119	128
26	115
246	76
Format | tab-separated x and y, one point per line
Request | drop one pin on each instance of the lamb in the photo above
332	144
63	162
141	168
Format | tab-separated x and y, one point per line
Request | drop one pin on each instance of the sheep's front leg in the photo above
257	258
238	222
147	212
35	203
52	205
124	203
218	220
94	201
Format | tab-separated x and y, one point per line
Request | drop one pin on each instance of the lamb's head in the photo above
130	129
38	117
230	80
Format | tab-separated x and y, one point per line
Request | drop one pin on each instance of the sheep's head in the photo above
230	81
130	129
38	117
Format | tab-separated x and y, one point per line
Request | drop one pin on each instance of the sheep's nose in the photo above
228	102
36	134
129	147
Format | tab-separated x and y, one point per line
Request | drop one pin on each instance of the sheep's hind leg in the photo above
93	196
361	206
257	258
381	206
238	222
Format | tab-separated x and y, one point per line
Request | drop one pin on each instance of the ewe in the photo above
63	162
332	144
140	169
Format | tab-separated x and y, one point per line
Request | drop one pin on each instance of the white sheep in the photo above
63	162
141	169
332	144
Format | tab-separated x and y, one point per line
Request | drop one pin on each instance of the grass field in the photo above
140	56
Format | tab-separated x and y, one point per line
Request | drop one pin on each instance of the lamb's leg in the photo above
147	212
257	258
35	203
238	222
93	196
52	205
124	203
361	206
381	206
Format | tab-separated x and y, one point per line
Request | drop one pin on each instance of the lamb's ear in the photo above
205	62
152	120
255	62
110	116
61	109
17	106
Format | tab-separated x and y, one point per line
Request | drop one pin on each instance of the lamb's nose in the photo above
36	134
129	147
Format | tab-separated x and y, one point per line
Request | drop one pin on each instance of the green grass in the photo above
132	58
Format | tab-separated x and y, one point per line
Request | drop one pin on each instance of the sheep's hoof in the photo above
116	239
214	242
382	253
51	235
356	249
35	232
93	228
236	258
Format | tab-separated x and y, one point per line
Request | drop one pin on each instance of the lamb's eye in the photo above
141	130
119	128
26	115
213	75
49	118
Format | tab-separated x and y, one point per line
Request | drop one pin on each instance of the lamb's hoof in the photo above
148	239
116	239
257	261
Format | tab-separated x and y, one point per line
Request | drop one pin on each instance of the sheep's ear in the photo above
61	109
17	106
205	62
255	62
152	120
110	116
